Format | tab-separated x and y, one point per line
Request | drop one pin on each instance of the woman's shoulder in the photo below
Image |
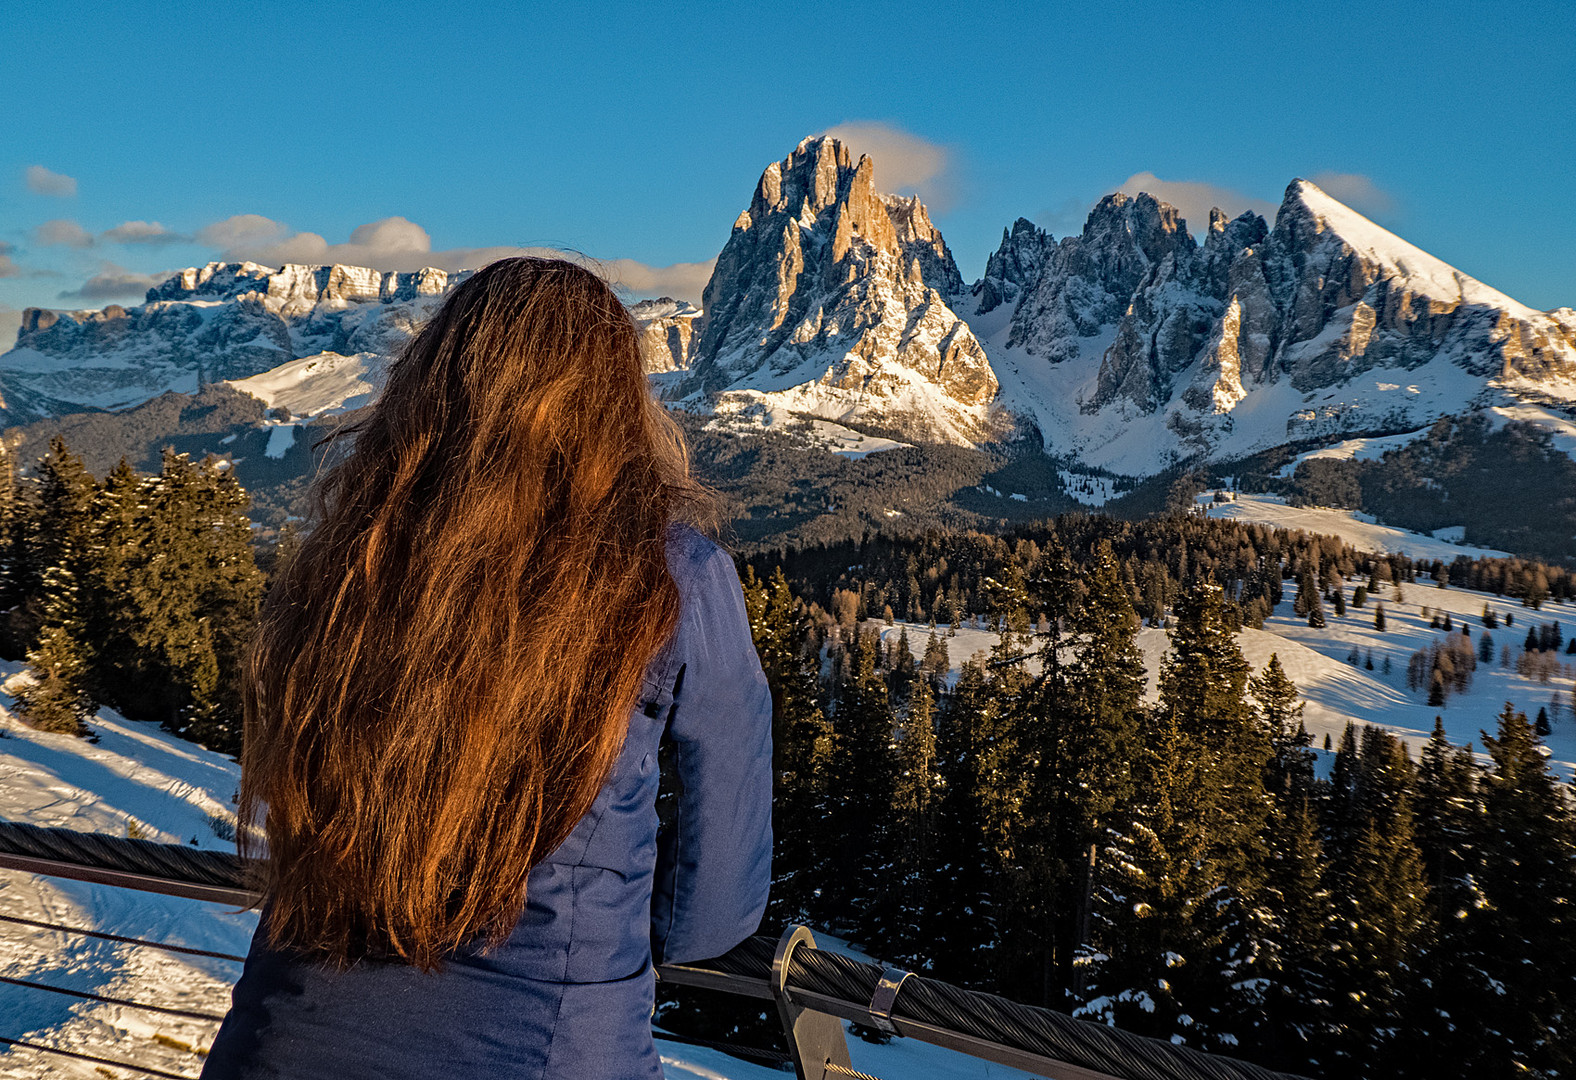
693	557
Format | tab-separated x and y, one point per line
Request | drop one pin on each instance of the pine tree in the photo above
1379	884
968	871
1294	1000
1522	935
1080	736
936	662
1379	617
915	798
57	559
864	763
1181	929
55	700
802	743
187	591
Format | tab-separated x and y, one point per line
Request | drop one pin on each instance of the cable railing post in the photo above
815	1039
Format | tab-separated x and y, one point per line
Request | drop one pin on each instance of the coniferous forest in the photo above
1025	820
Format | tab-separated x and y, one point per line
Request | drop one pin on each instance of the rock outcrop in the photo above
1150	323
831	300
667	327
222	321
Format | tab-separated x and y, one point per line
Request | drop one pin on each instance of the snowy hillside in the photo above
1338	691
1359	530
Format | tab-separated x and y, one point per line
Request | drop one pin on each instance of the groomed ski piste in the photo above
136	779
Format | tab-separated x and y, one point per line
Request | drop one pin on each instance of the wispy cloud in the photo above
396	243
62	232
142	232
1357	191
8	266
904	162
1195	198
114	283
10	323
42	181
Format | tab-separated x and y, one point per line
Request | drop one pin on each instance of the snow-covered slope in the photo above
1132	347
1357	529
1129	347
1337	691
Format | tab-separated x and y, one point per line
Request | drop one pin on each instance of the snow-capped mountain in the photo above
1128	348
831	300
206	324
1133	346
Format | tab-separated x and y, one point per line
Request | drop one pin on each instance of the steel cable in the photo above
41	1048
143	942
190	1014
940	1005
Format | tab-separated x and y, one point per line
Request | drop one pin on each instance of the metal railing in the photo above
813	989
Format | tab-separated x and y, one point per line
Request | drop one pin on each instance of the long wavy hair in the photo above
443	674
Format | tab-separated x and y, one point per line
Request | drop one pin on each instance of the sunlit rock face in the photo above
222	321
1321	325
832	300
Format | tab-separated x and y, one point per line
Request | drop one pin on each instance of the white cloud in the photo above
10	323
904	162
114	283
64	233
1357	191
142	232
396	243
42	181
682	281
1195	198
8	268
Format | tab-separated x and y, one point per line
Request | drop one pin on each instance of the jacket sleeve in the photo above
714	860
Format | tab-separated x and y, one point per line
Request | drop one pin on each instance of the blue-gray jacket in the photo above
569	995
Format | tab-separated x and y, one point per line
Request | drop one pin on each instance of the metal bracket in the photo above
815	1039
885	997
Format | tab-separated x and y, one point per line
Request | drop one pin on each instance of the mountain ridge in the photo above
1128	348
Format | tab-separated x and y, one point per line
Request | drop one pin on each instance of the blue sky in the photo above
633	132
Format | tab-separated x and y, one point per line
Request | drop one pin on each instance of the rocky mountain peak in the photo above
839	293
1014	266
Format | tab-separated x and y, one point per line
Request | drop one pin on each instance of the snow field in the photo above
1359	530
1337	692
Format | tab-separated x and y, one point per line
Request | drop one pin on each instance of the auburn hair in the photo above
443	673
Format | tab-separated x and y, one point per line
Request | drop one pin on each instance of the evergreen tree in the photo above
1379	885
864	763
915	800
1295	998
802	743
57	565
55	700
1177	952
1078	742
1522	936
1379	617
968	869
187	595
